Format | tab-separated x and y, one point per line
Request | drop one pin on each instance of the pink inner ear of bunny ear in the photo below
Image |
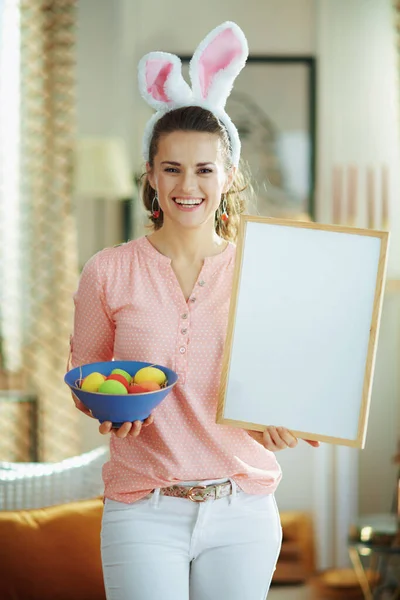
157	72
218	55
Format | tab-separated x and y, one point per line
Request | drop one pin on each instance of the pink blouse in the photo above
130	306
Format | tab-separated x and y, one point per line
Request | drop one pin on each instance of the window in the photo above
10	272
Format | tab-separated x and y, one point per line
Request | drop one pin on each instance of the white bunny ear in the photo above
160	81
217	62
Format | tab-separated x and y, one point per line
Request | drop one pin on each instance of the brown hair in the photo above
196	118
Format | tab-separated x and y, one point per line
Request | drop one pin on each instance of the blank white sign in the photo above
303	328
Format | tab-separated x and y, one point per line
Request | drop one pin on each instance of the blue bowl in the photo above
119	408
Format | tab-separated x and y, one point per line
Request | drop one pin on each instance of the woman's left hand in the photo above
278	438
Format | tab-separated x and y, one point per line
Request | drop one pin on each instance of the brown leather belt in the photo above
199	493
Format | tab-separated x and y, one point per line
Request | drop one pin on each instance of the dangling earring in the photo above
224	214
155	211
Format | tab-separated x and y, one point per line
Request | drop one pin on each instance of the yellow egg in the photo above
150	374
92	382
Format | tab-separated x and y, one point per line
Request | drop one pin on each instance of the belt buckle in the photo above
193	490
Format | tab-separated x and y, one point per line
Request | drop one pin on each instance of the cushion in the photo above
52	552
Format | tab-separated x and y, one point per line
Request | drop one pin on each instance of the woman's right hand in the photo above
127	428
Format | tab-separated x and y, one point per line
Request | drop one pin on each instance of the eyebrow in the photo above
176	164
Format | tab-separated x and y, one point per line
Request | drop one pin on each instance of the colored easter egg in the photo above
150	386
110	386
123	373
134	388
150	374
117	377
92	382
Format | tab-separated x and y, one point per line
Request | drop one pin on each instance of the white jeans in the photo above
165	548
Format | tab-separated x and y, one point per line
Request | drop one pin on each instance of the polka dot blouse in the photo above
130	306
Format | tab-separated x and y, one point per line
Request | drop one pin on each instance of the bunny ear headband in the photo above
215	65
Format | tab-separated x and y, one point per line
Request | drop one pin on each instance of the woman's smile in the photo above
187	204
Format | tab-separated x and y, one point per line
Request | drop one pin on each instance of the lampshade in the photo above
102	168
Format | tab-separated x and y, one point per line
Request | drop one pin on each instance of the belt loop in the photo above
233	496
154	502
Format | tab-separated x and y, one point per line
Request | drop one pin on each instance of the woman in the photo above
189	505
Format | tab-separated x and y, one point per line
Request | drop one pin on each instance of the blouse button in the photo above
182	350
202	282
184	331
184	316
192	299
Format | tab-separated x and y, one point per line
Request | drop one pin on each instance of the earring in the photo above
155	211
224	214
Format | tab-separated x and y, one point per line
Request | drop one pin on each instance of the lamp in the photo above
102	168
102	172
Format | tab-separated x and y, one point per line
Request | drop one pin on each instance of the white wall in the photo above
358	100
357	121
358	104
377	471
358	124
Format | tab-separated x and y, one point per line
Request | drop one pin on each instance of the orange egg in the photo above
150	386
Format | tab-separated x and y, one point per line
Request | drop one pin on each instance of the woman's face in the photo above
189	176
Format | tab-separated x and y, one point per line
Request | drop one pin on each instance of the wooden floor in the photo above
289	593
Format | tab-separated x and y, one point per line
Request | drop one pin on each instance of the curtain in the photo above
17	417
48	240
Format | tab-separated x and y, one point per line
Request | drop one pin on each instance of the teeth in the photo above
188	202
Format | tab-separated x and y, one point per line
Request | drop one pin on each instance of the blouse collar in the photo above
214	262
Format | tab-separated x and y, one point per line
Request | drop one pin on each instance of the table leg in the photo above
361	576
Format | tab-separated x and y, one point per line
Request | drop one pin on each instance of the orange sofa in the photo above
52	553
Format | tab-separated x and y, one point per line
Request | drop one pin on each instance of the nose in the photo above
188	183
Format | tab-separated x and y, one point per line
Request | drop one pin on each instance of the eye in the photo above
205	171
171	170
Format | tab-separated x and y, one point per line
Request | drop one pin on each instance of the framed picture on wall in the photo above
273	105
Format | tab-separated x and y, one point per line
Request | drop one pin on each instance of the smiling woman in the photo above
192	146
165	298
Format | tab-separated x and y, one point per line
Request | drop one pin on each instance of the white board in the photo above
303	325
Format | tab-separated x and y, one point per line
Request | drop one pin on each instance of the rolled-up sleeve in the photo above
94	330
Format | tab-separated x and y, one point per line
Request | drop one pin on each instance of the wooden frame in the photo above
353	276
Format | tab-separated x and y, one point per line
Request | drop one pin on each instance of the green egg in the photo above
111	386
123	373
